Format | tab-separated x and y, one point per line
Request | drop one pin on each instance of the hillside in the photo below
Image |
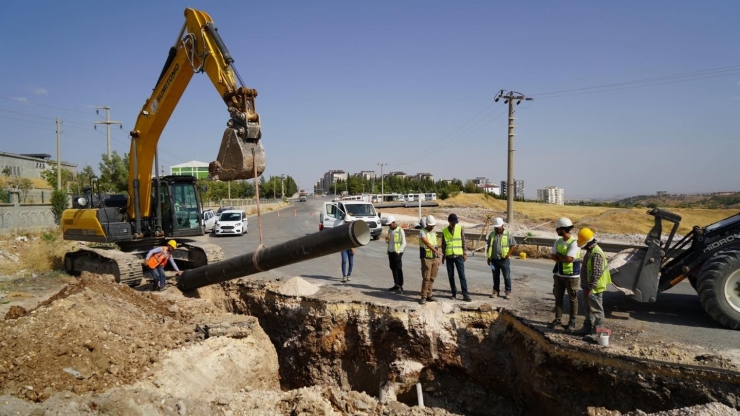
601	219
710	201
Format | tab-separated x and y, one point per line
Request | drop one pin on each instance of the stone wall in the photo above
25	217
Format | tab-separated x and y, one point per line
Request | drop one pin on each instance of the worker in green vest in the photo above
453	248
500	245
396	240
430	254
595	278
565	274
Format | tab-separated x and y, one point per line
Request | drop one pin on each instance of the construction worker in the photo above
430	255
396	240
566	272
156	259
595	278
499	247
453	247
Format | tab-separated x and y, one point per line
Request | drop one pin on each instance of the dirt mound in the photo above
91	336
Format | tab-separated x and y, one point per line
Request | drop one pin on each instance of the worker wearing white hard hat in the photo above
430	254
567	270
396	240
500	245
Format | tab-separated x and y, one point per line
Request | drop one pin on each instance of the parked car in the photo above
222	209
232	222
209	220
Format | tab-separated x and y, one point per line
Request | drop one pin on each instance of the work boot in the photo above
344	279
494	294
393	289
555	323
507	295
453	296
585	330
572	323
423	301
400	290
348	279
431	299
466	298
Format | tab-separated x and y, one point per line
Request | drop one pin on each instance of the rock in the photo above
76	374
182	410
15	312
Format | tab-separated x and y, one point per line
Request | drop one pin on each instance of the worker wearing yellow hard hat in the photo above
155	261
595	278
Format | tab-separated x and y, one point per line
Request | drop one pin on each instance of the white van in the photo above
335	213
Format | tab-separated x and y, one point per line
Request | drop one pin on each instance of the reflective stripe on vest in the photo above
504	243
157	259
605	277
432	237
562	249
453	242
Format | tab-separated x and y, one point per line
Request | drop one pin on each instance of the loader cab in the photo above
181	210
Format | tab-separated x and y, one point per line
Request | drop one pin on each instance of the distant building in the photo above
518	189
490	189
662	193
551	195
332	177
423	176
192	168
481	180
398	173
30	165
367	174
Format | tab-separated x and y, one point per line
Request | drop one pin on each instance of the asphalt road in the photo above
677	316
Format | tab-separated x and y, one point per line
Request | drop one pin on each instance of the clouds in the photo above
21	99
38	90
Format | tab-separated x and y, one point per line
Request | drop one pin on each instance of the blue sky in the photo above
348	85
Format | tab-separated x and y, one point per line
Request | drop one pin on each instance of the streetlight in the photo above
282	186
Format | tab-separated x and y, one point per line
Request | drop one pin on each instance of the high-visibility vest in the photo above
605	277
572	268
432	237
157	259
504	241
397	239
453	242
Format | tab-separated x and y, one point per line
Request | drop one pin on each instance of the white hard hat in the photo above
563	222
390	219
431	220
498	222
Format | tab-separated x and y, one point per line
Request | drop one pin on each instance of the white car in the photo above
209	220
232	222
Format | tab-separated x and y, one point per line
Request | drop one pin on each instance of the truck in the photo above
709	257
168	207
335	213
302	196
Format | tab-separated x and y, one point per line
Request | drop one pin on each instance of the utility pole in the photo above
282	186
59	154
382	190
509	98
107	123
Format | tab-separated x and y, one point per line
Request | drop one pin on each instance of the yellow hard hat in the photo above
585	236
172	243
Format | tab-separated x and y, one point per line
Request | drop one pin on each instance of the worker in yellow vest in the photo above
500	245
565	274
430	254
155	261
453	248
595	277
396	240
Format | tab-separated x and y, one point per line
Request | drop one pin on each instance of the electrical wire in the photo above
44	105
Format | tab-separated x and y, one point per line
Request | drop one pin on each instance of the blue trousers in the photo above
160	280
452	263
347	257
502	265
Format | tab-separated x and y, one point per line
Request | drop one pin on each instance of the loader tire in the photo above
719	287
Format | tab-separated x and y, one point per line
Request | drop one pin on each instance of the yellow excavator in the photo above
158	208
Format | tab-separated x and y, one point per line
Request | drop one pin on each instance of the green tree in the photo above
50	176
58	204
83	179
24	185
114	173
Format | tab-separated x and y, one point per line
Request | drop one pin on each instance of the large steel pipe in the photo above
322	243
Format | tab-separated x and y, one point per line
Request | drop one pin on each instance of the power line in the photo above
45	105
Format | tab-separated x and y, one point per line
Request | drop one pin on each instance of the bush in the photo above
58	204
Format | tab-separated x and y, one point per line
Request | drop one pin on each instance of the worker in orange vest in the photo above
155	261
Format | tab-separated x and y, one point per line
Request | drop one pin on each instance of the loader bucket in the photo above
238	158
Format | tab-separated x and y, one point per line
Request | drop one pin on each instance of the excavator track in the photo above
125	267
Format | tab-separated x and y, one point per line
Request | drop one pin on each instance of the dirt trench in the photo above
482	361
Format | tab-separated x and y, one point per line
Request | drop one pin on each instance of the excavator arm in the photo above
199	48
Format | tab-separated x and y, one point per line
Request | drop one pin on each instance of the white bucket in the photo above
603	339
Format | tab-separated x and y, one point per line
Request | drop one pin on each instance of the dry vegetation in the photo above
34	252
601	219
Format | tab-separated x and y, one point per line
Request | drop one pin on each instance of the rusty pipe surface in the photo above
322	243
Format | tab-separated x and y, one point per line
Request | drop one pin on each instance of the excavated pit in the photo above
482	361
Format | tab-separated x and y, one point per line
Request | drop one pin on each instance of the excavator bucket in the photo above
238	158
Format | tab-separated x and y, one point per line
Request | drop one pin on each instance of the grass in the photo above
42	252
600	219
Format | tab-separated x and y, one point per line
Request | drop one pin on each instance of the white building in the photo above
490	189
331	177
193	168
551	195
